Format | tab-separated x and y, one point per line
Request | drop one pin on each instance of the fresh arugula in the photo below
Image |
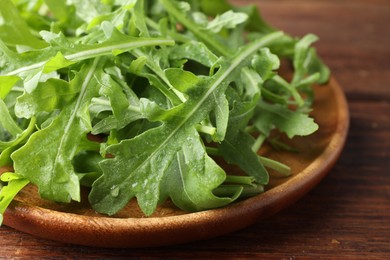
166	86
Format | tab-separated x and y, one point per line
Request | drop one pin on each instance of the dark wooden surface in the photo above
347	216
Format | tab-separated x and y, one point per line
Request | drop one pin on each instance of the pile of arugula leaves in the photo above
167	86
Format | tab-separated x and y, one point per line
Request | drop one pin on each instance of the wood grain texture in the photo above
347	216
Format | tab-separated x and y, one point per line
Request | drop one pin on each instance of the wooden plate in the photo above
76	223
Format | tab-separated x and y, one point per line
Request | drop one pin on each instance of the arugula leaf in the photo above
210	39
7	148
118	43
196	51
123	112
58	9
7	121
227	20
46	158
195	175
237	146
293	123
215	7
8	192
14	30
6	84
88	10
237	150
140	164
48	96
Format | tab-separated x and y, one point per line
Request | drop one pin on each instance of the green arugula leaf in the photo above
58	9
117	42
157	78
123	112
48	96
215	7
140	19
237	146
196	51
46	158
227	20
221	112
7	148
6	84
141	163
293	123
237	150
195	175
8	192
88	10
14	30
209	38
7	121
182	80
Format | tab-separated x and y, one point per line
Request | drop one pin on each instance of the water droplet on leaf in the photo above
115	191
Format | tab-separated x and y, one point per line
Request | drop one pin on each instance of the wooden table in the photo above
348	214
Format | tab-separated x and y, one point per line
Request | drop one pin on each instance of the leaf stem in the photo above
107	104
206	129
258	142
243	180
160	73
231	190
213	151
98	50
275	165
295	94
203	35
